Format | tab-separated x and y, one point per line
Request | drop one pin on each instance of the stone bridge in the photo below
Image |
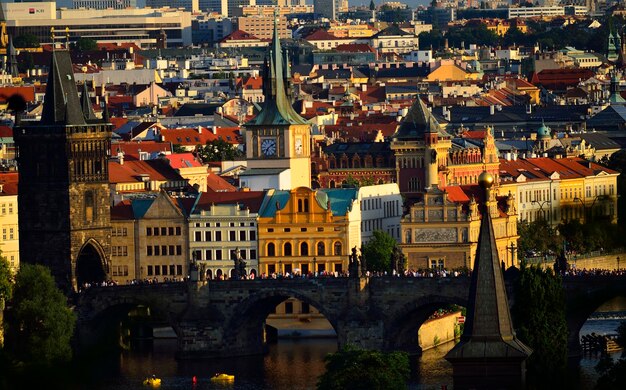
225	318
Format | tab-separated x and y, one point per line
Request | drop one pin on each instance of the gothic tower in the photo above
278	139
63	192
421	149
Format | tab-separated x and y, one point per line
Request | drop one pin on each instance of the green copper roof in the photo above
543	131
340	199
276	109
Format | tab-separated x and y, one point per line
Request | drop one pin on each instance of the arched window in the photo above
299	205
306	205
331	184
321	249
90	211
337	248
271	249
287	249
304	249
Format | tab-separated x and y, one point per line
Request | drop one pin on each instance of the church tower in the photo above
278	139
63	192
421	149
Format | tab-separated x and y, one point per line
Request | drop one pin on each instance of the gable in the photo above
162	208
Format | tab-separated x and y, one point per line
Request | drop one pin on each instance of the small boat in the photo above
152	382
222	378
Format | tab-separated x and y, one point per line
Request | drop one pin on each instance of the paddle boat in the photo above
152	381
222	378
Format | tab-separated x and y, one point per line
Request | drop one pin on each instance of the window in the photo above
321	249
242	235
252	235
288	307
287	249
337	248
156	231
164	269
252	254
149	270
170	231
164	250
171	250
287	230
232	235
208	255
172	269
218	254
179	250
149	251
157	270
218	236
198	236
148	231
207	236
164	231
178	231
271	249
157	250
179	270
304	249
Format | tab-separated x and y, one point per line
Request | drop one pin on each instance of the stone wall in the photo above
608	261
437	331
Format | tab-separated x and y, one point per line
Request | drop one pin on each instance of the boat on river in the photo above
153	382
222	378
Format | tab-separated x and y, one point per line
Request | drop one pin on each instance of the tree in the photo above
6	280
359	369
536	238
38	322
178	148
86	44
372	6
539	318
378	251
218	150
26	41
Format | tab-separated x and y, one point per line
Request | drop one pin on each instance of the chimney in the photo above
507	156
492	110
120	157
199	129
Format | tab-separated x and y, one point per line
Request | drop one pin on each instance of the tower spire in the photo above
85	104
489	354
61	103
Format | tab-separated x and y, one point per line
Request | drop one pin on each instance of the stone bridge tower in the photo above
63	192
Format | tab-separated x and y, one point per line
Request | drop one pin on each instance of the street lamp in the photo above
582	201
541	203
512	248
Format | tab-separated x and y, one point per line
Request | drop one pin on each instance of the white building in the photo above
381	209
137	25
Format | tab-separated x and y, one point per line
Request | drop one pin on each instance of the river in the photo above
289	364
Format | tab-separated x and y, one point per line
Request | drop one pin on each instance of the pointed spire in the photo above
61	104
12	54
105	112
488	336
418	122
85	104
277	108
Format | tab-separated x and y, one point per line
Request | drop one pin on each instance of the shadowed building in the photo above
489	355
63	192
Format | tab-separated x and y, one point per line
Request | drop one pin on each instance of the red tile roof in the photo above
355	48
321	35
28	93
118	122
122	211
130	171
9	183
131	149
6	132
239	35
187	136
216	183
456	194
182	160
250	199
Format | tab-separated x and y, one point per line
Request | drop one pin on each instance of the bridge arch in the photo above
401	329
245	328
91	265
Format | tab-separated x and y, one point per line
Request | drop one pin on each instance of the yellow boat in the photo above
222	378
152	382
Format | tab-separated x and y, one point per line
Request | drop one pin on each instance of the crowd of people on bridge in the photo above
593	272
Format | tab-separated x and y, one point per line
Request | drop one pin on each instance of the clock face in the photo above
268	147
298	146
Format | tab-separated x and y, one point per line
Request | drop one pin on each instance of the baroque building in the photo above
63	191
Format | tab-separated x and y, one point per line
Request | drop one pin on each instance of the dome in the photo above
543	131
485	180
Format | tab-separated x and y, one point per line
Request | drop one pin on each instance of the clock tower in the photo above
278	139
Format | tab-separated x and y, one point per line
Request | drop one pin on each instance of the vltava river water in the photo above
289	365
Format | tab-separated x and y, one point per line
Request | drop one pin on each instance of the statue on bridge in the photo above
240	266
560	264
398	261
353	266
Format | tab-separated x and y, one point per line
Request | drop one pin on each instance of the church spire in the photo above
488	339
12	55
85	104
277	108
61	104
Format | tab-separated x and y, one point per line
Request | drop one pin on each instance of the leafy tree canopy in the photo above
86	44
218	150
26	41
358	369
38	322
536	238
378	251
539	318
6	279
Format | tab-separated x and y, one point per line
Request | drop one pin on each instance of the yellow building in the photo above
303	230
149	239
441	230
352	31
449	70
9	240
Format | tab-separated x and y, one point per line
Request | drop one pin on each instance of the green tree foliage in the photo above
539	318
372	6
218	150
378	251
617	162
358	369
38	322
594	235
6	280
86	44
26	41
536	238
178	148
